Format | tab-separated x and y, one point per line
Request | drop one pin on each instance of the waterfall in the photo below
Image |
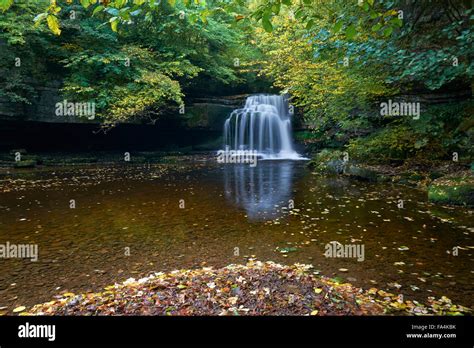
263	125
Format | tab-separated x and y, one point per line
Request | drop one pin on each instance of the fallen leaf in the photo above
19	309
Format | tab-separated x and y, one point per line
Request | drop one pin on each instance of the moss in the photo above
328	161
361	173
457	191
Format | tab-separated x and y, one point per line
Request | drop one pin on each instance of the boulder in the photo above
360	172
452	190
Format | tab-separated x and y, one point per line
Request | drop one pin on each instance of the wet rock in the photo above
452	190
328	161
360	172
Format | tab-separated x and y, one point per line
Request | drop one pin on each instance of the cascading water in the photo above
262	125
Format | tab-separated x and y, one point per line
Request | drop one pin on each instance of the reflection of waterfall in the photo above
264	125
258	190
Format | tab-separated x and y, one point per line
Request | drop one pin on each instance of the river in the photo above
127	221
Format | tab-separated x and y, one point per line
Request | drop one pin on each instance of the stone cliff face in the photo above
208	113
37	127
42	109
211	113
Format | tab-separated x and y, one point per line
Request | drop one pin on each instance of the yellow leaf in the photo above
53	24
315	312
113	25
19	309
317	290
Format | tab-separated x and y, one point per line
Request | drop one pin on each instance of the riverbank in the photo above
257	288
445	182
22	159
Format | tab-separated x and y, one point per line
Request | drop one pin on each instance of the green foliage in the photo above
391	143
118	11
19	63
5	4
435	135
327	155
141	72
338	61
329	87
308	13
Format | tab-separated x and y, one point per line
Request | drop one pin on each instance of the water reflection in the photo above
260	190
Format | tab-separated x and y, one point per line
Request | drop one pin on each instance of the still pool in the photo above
127	221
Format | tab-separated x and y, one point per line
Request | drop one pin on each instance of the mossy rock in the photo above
25	164
331	167
328	161
336	166
456	191
361	173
